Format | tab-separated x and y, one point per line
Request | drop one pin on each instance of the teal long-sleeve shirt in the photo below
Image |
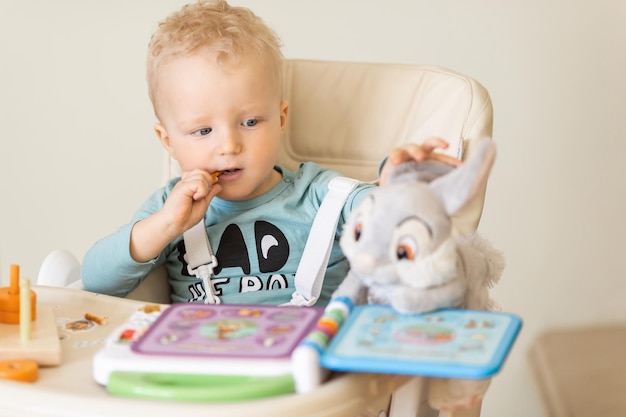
258	244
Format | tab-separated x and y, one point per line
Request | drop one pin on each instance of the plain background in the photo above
78	155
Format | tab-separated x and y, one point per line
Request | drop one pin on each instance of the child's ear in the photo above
164	138
284	113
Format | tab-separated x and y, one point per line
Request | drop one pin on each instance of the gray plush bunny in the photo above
403	251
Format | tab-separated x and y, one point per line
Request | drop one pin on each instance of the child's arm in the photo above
108	266
413	151
185	207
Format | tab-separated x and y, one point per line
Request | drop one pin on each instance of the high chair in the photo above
348	116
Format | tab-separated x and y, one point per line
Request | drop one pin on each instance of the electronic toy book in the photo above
208	352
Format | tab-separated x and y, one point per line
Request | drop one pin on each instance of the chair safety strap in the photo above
312	268
200	259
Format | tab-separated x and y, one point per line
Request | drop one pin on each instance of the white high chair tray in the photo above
69	390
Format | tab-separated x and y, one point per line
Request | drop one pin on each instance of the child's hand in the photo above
184	208
413	151
189	199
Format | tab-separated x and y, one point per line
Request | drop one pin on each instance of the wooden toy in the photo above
23	370
10	300
28	335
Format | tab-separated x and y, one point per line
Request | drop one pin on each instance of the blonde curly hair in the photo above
228	32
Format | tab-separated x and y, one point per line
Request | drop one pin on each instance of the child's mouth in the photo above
225	173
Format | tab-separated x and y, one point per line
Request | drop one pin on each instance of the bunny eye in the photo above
358	228
406	249
359	217
410	240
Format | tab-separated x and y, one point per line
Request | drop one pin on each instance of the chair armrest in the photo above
60	269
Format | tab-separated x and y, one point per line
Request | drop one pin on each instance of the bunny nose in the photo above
363	263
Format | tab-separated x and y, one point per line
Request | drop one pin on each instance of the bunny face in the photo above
387	241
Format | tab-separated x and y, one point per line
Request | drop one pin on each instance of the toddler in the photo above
215	82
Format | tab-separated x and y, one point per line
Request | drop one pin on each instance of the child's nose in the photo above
230	142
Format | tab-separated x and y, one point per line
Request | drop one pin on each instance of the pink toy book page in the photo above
234	331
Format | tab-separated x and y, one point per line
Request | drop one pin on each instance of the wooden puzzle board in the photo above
43	347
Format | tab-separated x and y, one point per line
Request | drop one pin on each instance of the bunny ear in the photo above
460	186
423	171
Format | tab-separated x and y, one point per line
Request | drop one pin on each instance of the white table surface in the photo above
69	389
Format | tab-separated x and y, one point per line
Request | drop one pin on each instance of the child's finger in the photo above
410	152
450	160
194	188
433	143
400	155
427	151
215	189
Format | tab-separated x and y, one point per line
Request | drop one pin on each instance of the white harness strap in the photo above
200	259
312	267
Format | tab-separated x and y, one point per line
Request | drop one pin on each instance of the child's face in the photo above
228	118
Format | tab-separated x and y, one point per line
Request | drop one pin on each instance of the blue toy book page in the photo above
444	343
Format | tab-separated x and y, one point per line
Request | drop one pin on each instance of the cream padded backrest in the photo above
348	116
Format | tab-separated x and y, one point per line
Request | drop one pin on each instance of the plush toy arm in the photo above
352	288
414	300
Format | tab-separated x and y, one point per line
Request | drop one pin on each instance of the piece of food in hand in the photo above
216	174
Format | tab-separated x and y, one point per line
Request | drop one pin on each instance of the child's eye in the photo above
250	122
203	132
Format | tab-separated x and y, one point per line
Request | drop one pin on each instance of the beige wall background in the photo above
78	155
